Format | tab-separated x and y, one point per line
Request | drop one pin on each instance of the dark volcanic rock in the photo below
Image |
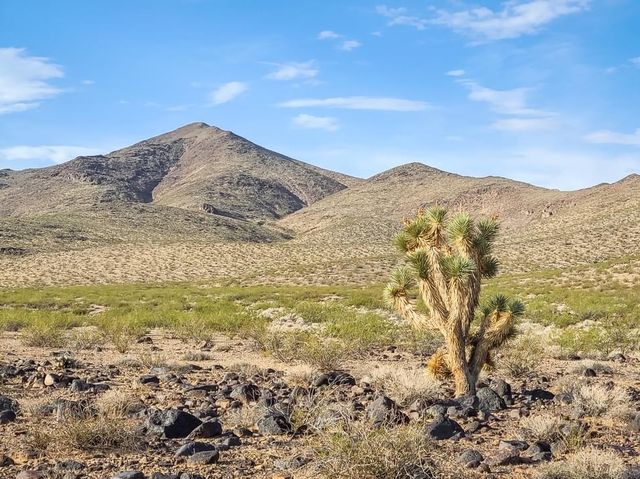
334	378
172	423
205	457
385	411
443	428
206	430
7	403
489	400
7	416
274	423
190	448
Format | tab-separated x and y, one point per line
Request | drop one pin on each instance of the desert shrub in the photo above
588	463
574	341
358	450
122	332
96	434
321	410
520	356
541	427
116	404
86	339
322	353
596	400
612	333
406	385
43	334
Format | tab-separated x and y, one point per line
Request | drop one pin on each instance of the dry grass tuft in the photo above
588	463
359	451
406	385
541	427
596	400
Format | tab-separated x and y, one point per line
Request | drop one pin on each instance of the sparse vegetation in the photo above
588	463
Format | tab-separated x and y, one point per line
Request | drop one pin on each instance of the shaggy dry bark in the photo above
446	261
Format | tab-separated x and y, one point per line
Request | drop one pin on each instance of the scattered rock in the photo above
505	457
589	373
470	456
489	400
385	411
205	457
7	416
274	423
172	423
538	394
206	430
149	379
6	403
246	393
129	475
190	448
443	428
30	475
334	378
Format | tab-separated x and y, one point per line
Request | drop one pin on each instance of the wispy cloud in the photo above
456	73
400	16
514	19
328	35
339	40
294	71
24	80
359	103
227	92
51	154
349	45
635	61
327	123
525	124
506	102
614	137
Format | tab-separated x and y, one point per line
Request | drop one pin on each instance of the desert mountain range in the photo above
200	185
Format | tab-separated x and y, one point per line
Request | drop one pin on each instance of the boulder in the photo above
489	400
443	428
385	411
274	423
172	423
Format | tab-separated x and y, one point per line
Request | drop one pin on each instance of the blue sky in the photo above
544	91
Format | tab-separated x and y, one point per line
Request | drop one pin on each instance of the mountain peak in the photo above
408	170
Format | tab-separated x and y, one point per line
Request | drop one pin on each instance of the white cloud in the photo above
359	103
399	16
294	71
54	154
456	73
327	123
24	80
227	92
525	124
614	138
328	35
88	82
507	102
514	19
349	45
635	61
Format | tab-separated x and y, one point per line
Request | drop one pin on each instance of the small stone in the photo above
385	411
245	393
129	475
149	379
538	394
334	378
51	379
505	457
206	430
7	416
190	448
6	461
470	455
512	445
205	457
443	428
489	400
589	373
30	475
274	423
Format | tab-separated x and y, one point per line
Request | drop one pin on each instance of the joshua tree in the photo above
445	262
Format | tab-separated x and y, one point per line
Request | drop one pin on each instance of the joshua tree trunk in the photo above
446	260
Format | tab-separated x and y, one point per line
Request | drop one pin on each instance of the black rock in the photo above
334	378
161	475
437	410
443	428
538	447
274	423
542	456
538	394
149	379
589	373
6	403
489	400
503	389
172	423
7	416
190	448
245	393
466	401
205	457
129	475
512	445
385	411
469	455
206	430
505	457
230	441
